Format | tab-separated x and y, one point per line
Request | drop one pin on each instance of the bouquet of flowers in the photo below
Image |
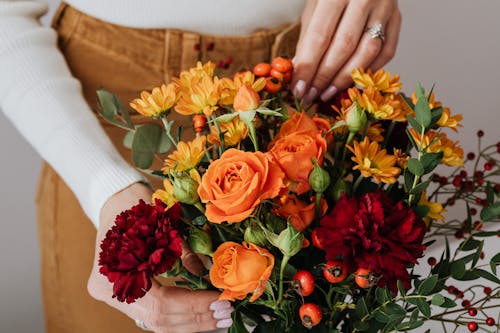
311	217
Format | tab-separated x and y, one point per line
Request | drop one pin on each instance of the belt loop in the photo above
286	41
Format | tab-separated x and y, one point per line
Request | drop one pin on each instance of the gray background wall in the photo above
454	43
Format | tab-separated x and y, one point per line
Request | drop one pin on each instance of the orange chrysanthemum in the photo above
159	101
200	97
383	107
447	120
374	162
234	131
435	209
380	80
166	195
194	75
401	158
187	155
230	87
375	132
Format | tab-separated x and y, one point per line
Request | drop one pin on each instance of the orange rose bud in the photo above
246	99
300	213
236	183
241	270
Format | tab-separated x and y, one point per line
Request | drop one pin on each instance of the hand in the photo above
333	41
162	309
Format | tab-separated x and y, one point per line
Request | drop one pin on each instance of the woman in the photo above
126	46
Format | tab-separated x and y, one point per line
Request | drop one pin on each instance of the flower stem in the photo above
167	131
357	183
282	270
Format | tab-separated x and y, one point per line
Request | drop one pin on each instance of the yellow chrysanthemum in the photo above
194	75
383	107
447	120
401	157
234	131
160	100
166	195
374	132
230	87
374	162
434	142
380	80
187	155
201	97
435	209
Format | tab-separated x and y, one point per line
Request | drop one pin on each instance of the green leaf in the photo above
422	211
380	295
361	309
419	91
408	177
401	289
423	112
415	167
225	118
416	126
436	115
410	326
457	269
486	275
128	139
361	325
424	307
426	287
268	112
477	255
110	106
430	161
145	144
164	144
470	244
438	299
491	212
486	233
490	194
448	303
420	188
494	262
394	308
238	326
199	220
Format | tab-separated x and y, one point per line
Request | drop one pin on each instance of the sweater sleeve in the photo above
45	103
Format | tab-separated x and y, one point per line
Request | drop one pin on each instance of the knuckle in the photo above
198	318
346	43
389	53
318	38
372	49
322	79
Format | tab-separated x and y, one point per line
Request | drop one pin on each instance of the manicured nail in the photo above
294	61
225	323
300	89
223	314
329	93
311	95
220	305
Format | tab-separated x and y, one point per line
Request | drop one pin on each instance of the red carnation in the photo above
143	243
375	233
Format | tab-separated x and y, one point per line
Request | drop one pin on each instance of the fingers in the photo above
365	54
190	260
318	27
391	41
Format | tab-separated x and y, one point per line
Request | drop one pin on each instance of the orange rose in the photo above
236	183
241	270
246	99
294	152
299	213
299	122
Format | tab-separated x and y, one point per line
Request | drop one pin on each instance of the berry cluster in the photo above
277	74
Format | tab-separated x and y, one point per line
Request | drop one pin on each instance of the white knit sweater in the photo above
45	103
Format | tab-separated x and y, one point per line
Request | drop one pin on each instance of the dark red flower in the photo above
144	242
375	233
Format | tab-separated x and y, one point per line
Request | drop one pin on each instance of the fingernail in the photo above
226	323
300	89
329	93
220	305
223	314
311	95
294	61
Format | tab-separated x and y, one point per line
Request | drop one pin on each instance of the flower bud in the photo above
355	118
199	241
289	241
255	236
185	189
246	99
340	188
319	179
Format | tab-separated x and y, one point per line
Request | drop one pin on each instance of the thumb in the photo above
190	260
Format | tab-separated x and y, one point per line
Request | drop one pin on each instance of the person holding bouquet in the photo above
47	90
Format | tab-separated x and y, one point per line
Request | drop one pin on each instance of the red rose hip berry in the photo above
335	271
310	315
282	64
365	278
472	326
305	281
